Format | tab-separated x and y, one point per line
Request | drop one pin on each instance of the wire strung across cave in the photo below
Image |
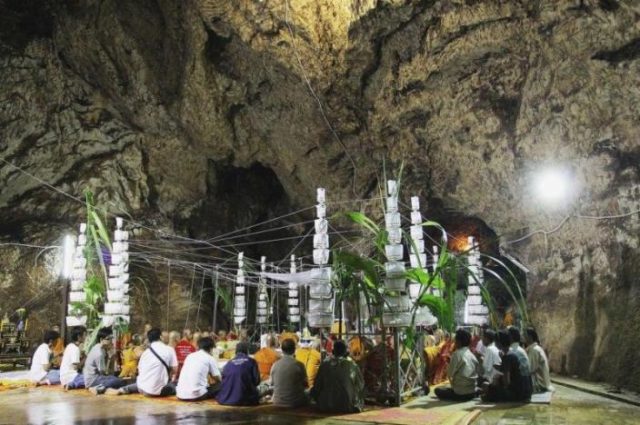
146	253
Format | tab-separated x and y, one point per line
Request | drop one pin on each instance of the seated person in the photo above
462	371
266	357
41	372
339	387
538	363
514	335
431	357
183	349
130	357
157	369
374	367
240	379
96	374
193	384
491	356
445	347
71	360
174	339
514	384
57	349
289	378
289	333
309	355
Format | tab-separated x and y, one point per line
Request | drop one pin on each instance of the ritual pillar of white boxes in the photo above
417	257
397	306
475	312
117	306
320	290
239	300
294	295
262	306
78	278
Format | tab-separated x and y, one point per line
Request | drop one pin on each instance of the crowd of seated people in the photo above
289	369
500	369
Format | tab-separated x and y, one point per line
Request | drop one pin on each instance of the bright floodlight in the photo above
552	186
67	256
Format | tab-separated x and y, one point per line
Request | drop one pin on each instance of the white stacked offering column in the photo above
240	305
417	257
78	277
117	305
294	296
397	306
475	312
320	290
262	310
436	257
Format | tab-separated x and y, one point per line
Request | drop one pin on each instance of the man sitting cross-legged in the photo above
240	379
289	378
339	386
96	374
193	384
41	372
157	369
462	371
70	378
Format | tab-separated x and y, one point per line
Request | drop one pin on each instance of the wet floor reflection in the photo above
54	407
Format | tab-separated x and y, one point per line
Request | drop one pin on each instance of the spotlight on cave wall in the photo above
553	186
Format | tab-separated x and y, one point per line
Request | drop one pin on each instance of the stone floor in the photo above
53	406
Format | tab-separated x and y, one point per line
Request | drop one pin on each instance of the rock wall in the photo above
149	102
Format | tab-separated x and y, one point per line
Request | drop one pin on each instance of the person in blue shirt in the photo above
240	380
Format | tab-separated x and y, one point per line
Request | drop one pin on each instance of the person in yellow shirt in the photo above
431	351
289	334
309	355
130	357
266	357
58	348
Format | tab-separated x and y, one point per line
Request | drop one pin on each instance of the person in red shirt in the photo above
183	348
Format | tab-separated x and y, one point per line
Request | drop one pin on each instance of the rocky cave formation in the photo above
197	117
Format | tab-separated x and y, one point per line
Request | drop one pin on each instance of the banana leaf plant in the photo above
97	248
445	278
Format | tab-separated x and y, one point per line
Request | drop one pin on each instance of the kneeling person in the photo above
193	384
515	383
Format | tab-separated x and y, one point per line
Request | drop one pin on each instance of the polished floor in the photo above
54	407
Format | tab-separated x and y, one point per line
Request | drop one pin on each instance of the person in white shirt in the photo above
193	384
538	363
462	371
71	363
481	346
157	370
514	334
41	372
490	358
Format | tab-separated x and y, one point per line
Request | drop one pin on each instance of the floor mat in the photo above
542	398
403	416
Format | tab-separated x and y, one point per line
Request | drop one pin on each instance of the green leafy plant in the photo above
95	284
